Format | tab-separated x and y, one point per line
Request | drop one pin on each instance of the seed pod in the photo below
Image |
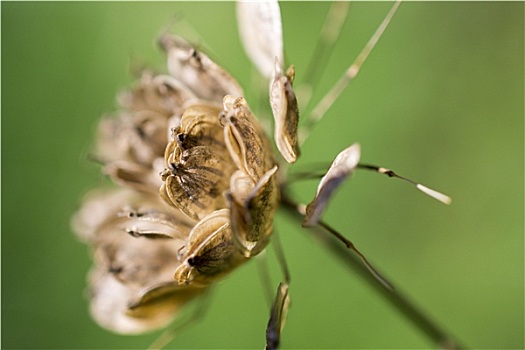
138	137
198	166
131	287
245	138
252	209
197	71
210	252
134	176
285	113
199	126
162	94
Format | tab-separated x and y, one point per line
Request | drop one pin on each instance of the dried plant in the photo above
198	183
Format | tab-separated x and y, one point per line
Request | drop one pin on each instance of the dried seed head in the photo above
155	252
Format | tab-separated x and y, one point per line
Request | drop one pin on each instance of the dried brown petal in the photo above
285	113
343	165
197	71
260	29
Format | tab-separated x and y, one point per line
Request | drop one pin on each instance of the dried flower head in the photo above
198	183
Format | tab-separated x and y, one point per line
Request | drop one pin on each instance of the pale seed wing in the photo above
343	165
197	71
260	30
285	113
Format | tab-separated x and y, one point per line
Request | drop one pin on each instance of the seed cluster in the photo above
196	194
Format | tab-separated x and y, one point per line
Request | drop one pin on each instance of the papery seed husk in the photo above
343	165
197	71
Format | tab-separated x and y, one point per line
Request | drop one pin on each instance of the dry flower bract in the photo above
198	192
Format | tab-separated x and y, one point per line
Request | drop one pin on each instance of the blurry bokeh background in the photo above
439	100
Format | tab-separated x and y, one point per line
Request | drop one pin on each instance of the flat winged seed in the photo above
260	29
285	113
245	138
252	209
343	165
197	71
210	253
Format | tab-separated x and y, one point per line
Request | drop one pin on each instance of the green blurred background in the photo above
440	100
